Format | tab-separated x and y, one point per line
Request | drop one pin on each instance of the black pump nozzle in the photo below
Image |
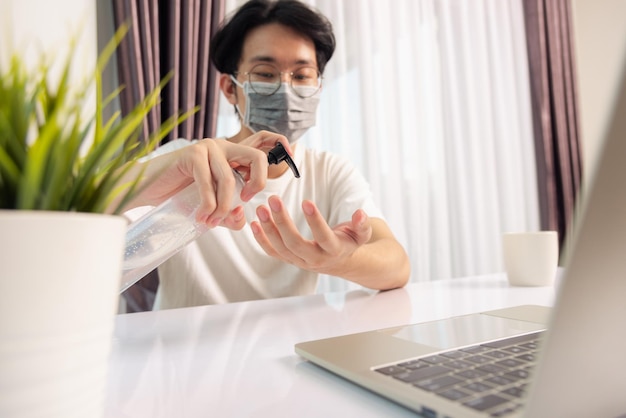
278	154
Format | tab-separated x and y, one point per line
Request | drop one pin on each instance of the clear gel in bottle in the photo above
167	228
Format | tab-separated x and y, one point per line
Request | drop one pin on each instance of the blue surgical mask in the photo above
283	112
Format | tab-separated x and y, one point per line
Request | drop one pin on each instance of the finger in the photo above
203	177
280	231
322	233
283	223
236	219
261	238
265	141
291	238
270	232
224	181
255	164
361	227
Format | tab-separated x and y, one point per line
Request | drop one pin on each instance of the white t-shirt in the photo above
230	266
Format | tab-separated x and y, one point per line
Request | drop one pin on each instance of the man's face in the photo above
277	45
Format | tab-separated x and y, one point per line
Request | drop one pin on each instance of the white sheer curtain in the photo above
430	99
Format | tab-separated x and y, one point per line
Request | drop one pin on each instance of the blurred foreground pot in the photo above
59	290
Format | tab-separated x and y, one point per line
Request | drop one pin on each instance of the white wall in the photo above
33	27
600	36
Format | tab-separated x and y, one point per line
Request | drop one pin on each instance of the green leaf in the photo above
54	156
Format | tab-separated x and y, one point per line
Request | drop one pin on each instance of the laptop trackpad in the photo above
463	330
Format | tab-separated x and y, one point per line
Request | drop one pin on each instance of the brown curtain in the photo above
555	122
168	36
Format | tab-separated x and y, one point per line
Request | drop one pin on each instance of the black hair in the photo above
227	43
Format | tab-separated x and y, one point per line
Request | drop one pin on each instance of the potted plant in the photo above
61	240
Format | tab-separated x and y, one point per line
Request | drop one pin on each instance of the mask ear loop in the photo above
235	104
235	85
242	118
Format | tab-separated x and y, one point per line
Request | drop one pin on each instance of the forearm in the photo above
146	173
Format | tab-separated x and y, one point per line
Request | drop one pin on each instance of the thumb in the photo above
362	226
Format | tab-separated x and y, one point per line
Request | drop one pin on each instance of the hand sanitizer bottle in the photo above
167	228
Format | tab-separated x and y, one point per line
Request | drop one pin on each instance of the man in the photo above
271	56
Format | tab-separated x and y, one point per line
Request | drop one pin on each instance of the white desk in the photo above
237	360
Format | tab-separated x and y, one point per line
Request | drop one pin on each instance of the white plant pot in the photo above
59	289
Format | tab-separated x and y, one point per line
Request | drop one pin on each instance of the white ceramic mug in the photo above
531	258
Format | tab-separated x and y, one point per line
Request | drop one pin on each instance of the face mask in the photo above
284	112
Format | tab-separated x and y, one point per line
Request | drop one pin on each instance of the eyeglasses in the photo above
304	81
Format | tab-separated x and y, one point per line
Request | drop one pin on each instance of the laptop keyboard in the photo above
489	377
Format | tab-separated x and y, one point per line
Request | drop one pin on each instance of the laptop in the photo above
531	361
